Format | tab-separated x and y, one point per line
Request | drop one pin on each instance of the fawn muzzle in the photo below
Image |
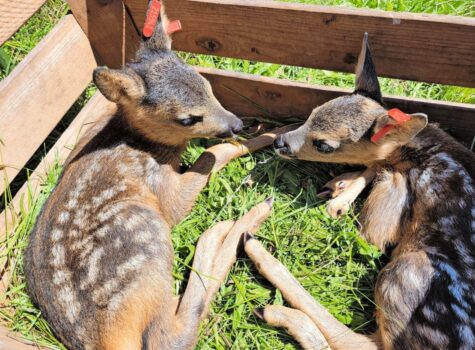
235	126
281	147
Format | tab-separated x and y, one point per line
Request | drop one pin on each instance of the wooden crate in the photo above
36	95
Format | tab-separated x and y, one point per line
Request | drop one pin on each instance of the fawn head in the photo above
162	97
340	130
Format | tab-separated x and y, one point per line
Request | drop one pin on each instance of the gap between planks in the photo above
256	96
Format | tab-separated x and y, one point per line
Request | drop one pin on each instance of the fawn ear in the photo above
401	133
118	85
160	38
367	83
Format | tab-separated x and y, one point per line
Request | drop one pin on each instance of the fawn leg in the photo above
215	158
338	336
355	184
339	184
215	254
250	222
296	323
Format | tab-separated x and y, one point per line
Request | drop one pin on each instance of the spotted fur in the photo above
99	260
422	206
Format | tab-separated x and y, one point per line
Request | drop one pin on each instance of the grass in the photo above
336	266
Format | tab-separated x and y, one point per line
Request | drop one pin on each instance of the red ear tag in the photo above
399	116
152	17
174	26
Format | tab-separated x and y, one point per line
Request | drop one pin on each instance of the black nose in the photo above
237	126
279	142
281	146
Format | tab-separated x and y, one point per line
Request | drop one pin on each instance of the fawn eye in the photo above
323	147
191	120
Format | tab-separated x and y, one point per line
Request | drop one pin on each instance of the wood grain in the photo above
13	13
37	94
9	341
256	96
109	28
420	47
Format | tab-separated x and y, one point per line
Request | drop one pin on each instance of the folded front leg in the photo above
213	159
347	188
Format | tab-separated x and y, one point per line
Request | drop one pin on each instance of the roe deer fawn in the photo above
99	260
422	204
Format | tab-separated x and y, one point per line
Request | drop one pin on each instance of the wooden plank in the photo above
9	341
95	110
37	94
256	96
13	13
409	46
109	28
97	107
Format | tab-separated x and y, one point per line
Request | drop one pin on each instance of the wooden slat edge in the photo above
13	13
257	96
98	107
9	341
37	94
419	47
109	28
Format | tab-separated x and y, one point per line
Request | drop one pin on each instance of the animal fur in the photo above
422	204
100	257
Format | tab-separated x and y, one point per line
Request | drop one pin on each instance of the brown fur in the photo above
422	204
100	258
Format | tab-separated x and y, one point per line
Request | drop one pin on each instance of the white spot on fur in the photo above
131	265
133	222
118	243
108	194
82	244
455	167
63	217
72	203
58	255
81	219
143	237
429	314
56	235
61	277
151	170
122	168
112	211
425	178
466	336
70	305
93	265
115	302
